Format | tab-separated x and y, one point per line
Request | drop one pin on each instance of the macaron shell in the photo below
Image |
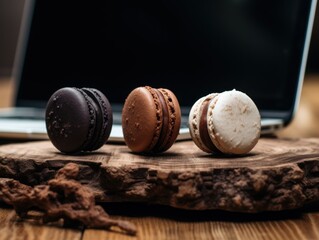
70	120
141	120
174	120
194	122
234	122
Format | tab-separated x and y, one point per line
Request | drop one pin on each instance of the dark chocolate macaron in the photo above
151	119
78	119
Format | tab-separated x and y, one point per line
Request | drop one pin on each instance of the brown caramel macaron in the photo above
151	120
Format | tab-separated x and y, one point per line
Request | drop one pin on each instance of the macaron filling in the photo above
165	122
159	116
168	120
203	129
98	123
103	119
93	109
194	119
162	133
174	119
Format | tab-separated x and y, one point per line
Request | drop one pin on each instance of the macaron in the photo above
227	122
78	119
151	119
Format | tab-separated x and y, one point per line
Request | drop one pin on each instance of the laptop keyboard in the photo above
23	117
117	119
23	114
31	114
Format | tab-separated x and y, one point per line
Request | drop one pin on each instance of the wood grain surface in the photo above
167	223
277	175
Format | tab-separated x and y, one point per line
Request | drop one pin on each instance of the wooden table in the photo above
162	222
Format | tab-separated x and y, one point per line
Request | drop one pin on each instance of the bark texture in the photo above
277	175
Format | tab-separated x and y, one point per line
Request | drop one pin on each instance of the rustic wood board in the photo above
277	175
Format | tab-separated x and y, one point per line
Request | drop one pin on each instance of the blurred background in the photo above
305	123
10	19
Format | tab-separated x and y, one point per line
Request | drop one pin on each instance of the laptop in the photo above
258	47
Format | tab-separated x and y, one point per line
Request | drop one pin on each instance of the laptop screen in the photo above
191	47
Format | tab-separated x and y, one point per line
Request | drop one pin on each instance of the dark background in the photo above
10	17
90	57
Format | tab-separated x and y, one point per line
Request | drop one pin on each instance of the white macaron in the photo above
228	122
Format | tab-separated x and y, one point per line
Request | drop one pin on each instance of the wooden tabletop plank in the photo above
176	224
166	223
11	227
152	228
278	174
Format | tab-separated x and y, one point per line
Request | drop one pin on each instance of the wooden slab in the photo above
276	175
